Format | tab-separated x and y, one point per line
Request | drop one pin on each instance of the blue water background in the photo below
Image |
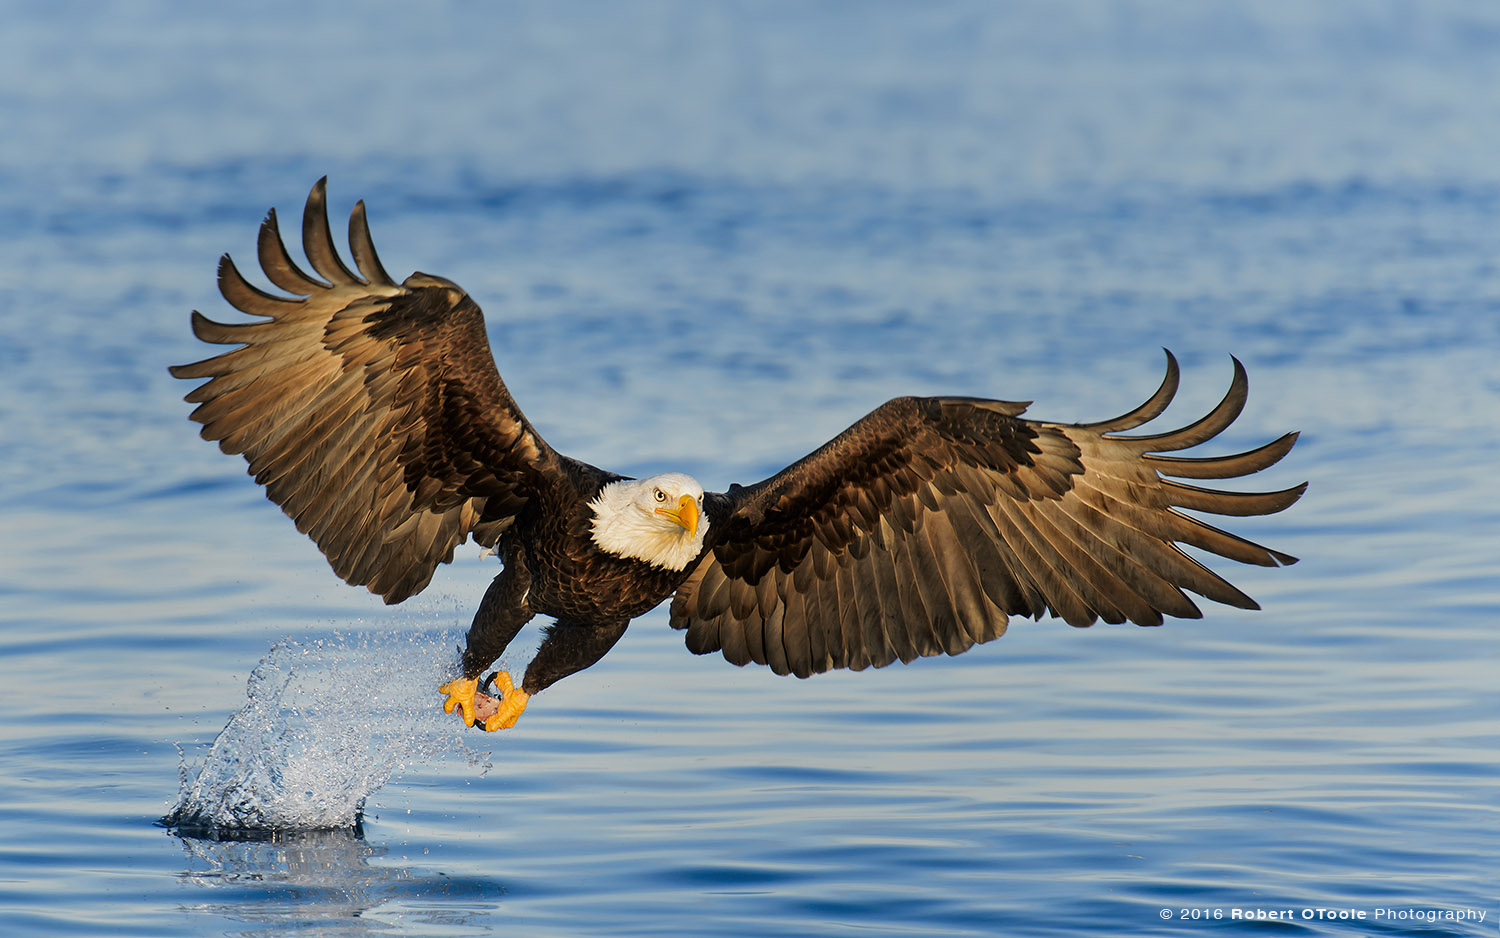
707	237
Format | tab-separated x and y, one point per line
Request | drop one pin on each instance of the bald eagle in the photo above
373	414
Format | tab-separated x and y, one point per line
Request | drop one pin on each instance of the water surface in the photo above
707	238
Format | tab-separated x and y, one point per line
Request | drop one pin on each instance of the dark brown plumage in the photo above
373	414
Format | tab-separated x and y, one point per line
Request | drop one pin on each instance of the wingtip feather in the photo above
1151	408
278	265
317	238
362	246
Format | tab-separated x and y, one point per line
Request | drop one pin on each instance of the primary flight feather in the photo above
373	414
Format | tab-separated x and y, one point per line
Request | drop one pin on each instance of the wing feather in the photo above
909	603
317	240
371	411
1041	563
362	246
898	630
922	527
1204	428
822	628
965	600
860	649
1222	467
836	606
1153	407
796	643
976	530
270	251
1083	566
774	641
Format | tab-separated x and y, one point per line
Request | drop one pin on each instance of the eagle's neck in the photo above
626	525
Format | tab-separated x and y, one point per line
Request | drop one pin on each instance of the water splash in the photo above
326	724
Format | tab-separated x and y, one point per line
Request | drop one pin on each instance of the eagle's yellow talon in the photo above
500	712
512	705
460	693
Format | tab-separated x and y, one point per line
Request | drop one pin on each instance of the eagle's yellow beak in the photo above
685	514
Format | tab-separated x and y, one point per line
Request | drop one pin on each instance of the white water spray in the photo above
327	723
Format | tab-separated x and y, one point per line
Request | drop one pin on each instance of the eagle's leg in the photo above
567	649
502	613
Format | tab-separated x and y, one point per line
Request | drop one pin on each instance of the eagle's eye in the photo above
660	495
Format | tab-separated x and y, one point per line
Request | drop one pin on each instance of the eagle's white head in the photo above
658	520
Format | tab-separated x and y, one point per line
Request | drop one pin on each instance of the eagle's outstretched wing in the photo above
919	529
370	410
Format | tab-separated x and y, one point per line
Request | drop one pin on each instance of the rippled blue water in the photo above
708	237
